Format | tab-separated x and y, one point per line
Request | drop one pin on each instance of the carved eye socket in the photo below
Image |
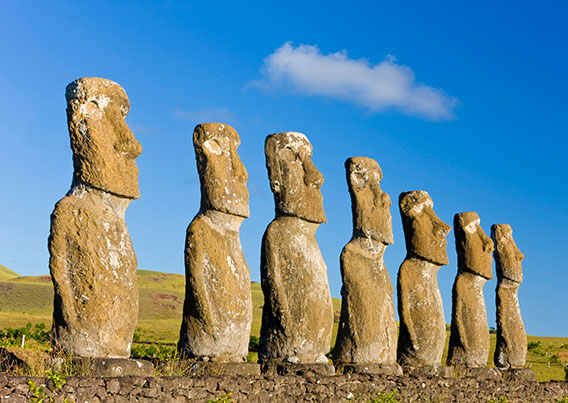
91	109
359	178
289	155
213	147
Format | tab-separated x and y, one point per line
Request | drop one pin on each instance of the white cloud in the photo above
386	85
208	115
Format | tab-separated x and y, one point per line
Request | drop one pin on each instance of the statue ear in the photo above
275	186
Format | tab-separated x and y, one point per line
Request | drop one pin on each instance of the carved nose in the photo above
519	255
241	173
132	148
488	246
128	144
441	227
312	176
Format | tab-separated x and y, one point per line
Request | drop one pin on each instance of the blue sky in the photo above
466	102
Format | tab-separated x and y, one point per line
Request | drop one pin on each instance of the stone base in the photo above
111	367
370	368
210	368
477	372
518	374
429	371
297	369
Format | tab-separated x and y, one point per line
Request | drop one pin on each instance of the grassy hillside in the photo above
30	299
6	274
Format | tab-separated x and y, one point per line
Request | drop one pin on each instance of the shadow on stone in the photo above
477	372
429	371
18	359
519	374
297	369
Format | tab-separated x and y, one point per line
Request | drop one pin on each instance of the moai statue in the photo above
511	348
469	338
366	337
422	332
297	316
217	312
92	263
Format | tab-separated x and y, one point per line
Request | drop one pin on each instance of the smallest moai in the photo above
511	348
469	339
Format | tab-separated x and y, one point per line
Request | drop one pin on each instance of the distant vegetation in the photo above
26	308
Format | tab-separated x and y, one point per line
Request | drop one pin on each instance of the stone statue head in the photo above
294	179
424	232
507	255
222	175
369	204
473	247
104	148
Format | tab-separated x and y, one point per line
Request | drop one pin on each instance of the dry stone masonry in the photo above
217	312
92	262
469	339
285	389
422	332
297	316
511	349
366	338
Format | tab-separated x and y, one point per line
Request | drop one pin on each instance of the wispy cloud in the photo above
379	87
208	115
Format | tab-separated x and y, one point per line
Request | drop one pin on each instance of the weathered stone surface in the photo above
519	374
202	368
429	371
217	313
462	371
511	348
367	327
297	316
469	338
379	369
92	263
104	148
113	367
422	332
289	388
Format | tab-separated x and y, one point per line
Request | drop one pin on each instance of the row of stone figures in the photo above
93	265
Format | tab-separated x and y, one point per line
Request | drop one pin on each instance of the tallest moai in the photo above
92	262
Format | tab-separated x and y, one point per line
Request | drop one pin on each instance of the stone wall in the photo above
342	388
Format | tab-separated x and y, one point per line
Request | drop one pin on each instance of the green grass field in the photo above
161	296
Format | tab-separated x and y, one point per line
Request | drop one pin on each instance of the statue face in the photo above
473	247
104	148
507	255
222	174
425	233
370	205
294	179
